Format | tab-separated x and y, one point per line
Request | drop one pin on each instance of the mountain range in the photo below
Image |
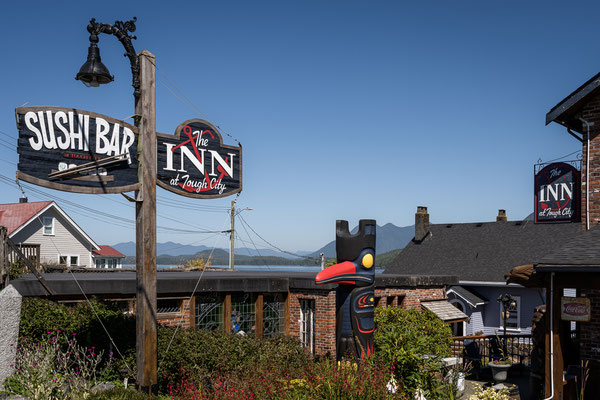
389	237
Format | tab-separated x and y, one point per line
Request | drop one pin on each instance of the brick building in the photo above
250	302
576	265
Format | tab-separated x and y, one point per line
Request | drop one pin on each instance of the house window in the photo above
243	314
100	262
68	260
48	226
513	321
209	312
307	324
167	306
273	315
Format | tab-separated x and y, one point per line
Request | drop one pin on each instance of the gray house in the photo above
481	254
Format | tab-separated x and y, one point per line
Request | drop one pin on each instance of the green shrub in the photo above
195	354
412	342
40	316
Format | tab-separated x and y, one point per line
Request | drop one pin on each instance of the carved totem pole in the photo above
355	295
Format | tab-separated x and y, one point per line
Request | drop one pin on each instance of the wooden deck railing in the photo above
518	347
30	251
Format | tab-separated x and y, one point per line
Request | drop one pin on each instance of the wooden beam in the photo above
227	313
259	316
146	229
287	313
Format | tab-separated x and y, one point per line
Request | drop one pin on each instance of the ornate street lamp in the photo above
94	73
508	303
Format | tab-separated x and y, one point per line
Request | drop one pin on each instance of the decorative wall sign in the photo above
195	163
76	151
557	194
575	309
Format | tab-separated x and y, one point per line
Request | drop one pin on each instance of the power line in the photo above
272	245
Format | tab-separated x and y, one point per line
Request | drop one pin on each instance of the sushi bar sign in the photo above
85	152
557	193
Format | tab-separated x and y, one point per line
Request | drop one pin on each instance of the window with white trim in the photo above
48	226
514	315
307	324
68	260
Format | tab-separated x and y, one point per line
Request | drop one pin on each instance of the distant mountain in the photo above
178	249
389	237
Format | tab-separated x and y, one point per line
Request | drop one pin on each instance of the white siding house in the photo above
61	240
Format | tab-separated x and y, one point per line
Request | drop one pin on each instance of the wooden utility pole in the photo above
146	342
232	235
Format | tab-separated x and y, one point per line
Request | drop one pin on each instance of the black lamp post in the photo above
507	302
94	73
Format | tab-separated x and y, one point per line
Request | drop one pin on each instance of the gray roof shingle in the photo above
581	251
481	251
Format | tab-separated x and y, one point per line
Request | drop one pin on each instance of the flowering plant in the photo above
54	368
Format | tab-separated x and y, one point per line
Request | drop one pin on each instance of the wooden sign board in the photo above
575	309
557	194
76	151
195	163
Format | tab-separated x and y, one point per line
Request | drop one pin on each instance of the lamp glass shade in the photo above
93	72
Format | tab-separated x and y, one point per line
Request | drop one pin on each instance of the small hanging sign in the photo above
195	163
575	309
76	151
557	194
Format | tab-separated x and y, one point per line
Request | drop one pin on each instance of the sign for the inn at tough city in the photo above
76	151
557	193
85	152
195	163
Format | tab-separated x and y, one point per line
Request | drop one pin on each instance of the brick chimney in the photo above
501	216
421	223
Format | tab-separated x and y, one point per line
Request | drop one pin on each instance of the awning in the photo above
445	311
525	275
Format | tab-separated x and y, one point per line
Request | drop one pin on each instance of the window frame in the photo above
68	258
44	226
307	324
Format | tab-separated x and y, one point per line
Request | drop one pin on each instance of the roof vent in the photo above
23	199
449	226
479	225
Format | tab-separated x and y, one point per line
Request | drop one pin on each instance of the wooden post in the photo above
145	109
227	313
258	331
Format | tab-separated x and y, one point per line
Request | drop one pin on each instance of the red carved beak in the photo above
343	273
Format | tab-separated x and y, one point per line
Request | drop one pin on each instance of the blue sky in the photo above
345	110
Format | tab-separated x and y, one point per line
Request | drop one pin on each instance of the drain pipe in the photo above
587	175
551	336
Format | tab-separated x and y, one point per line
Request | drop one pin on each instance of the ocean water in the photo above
295	268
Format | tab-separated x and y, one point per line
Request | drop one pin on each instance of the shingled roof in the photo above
581	253
481	251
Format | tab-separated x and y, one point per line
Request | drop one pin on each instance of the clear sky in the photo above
345	109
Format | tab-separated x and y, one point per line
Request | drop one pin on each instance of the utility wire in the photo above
189	101
275	247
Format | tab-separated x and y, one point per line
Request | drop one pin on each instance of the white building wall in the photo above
65	241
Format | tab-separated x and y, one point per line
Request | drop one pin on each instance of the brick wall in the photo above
324	318
174	319
590	331
591	113
408	298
